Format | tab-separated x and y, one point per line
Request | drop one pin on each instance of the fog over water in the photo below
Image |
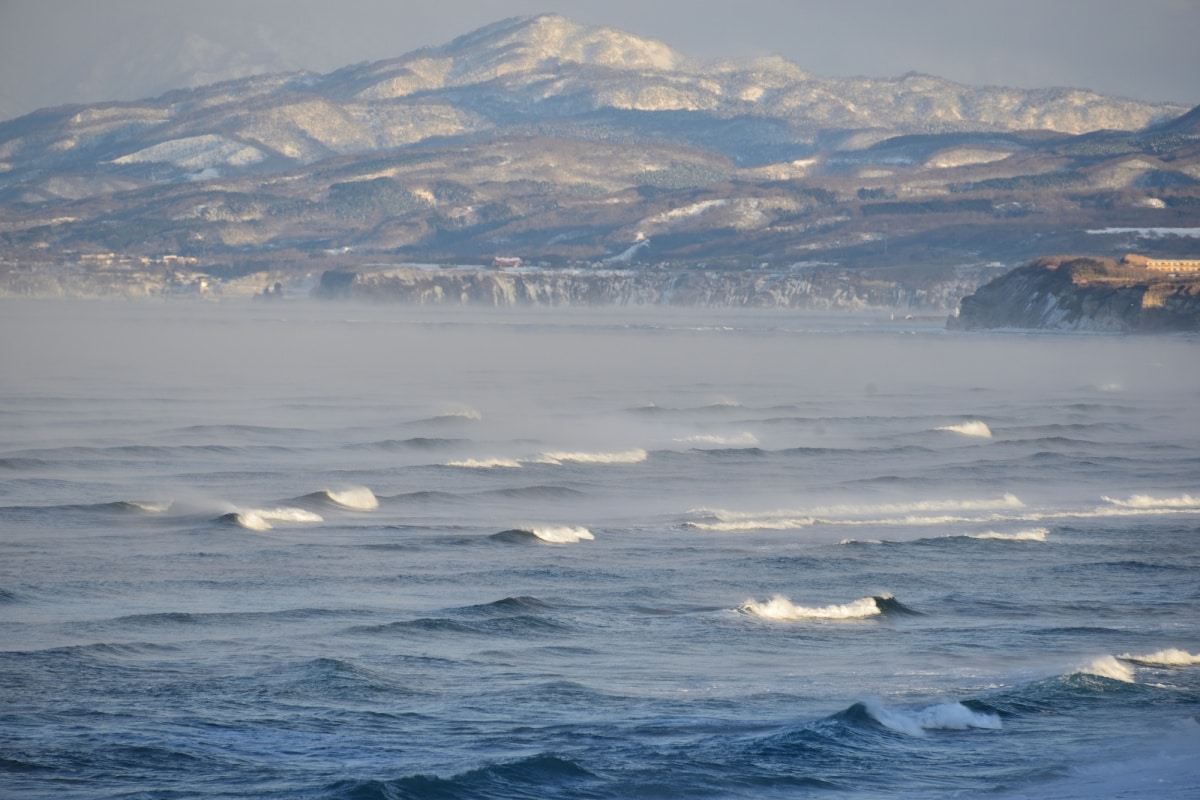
332	550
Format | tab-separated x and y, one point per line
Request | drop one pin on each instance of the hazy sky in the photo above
60	51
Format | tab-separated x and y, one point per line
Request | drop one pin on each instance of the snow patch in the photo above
197	153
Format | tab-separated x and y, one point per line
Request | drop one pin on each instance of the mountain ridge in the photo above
569	144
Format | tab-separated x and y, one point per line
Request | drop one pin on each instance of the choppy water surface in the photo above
352	552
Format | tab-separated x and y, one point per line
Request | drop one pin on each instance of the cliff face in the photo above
1083	294
810	289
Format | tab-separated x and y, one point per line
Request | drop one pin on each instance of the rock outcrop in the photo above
1083	294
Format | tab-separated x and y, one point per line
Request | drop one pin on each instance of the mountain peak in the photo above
543	39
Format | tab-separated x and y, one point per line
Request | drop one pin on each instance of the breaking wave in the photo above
1145	501
1031	535
745	439
1164	658
260	519
635	456
780	608
553	534
356	498
486	463
1108	667
927	512
941	717
973	428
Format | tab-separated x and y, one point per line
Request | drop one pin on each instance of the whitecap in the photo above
561	534
1145	501
1109	667
1030	535
944	716
742	525
634	456
356	498
745	439
973	428
260	519
782	609
921	512
1171	657
488	463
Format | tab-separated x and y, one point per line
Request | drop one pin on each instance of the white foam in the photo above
1149	233
944	717
1145	501
1172	657
1109	667
782	609
924	512
260	519
1031	535
973	428
487	463
561	534
745	439
635	456
357	498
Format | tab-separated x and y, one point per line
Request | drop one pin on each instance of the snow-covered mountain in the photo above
511	75
566	142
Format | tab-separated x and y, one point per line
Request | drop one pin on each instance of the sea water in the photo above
333	551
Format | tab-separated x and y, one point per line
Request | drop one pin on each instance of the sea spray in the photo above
634	456
944	716
1109	667
1171	657
973	428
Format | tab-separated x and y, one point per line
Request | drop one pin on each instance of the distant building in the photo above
506	262
1162	264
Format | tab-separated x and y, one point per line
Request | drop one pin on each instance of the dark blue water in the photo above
347	552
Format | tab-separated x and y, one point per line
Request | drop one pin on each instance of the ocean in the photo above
302	550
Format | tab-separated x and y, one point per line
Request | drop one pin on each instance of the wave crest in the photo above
920	512
745	439
260	519
552	534
1171	657
356	498
1030	535
487	463
635	456
1150	502
942	717
781	608
972	428
1108	667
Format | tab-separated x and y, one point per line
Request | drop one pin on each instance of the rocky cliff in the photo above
814	289
1083	294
